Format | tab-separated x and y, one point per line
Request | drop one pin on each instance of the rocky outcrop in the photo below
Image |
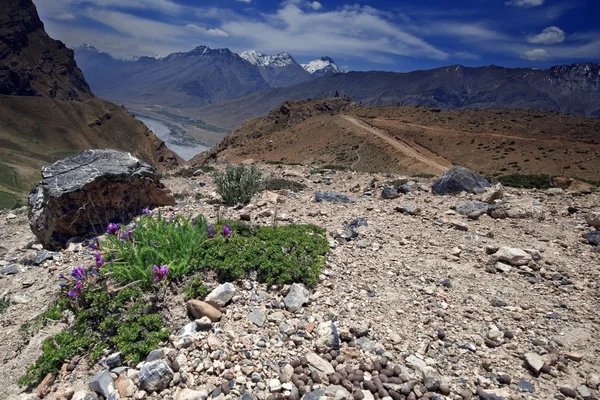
82	194
32	63
460	179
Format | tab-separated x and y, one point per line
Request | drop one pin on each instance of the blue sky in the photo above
364	35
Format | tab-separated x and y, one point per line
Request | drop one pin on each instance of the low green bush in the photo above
117	301
526	181
4	304
238	183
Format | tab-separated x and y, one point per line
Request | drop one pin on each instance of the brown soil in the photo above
417	140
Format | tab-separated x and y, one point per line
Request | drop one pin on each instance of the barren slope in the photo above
35	131
417	139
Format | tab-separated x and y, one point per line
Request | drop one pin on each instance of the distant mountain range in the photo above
200	77
226	89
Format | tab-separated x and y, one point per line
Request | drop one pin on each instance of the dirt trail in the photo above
435	128
403	147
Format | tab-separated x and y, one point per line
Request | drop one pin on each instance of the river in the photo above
185	146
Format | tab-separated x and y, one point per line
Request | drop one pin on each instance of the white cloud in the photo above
536	55
351	31
205	31
245	1
315	5
525	3
65	17
550	35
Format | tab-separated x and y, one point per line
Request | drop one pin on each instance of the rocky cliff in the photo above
31	62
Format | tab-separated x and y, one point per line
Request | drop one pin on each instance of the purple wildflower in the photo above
76	291
159	273
112	229
94	244
146	211
210	231
227	230
78	273
99	260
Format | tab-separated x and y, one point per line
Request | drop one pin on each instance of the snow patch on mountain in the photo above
324	64
279	60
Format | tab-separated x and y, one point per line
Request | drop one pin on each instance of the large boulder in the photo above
460	179
80	195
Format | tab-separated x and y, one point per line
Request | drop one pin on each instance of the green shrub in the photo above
238	183
526	181
4	304
284	184
126	319
196	289
123	321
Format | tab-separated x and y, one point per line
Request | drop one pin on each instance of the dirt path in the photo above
436	128
397	144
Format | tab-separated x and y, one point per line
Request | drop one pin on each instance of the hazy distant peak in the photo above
323	65
283	59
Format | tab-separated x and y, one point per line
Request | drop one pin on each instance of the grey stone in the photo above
360	328
515	257
568	391
593	237
327	336
22	298
158	354
155	376
389	193
525	386
189	394
315	395
319	365
534	362
409	209
80	194
114	360
365	344
496	394
498	302
188	330
221	295
584	392
296	298
204	324
43	256
84	395
257	317
11	269
470	207
102	383
332	197
460	179
431	379
415	362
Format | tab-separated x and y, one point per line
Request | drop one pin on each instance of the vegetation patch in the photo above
8	201
526	181
4	304
8	178
238	183
283	184
117	301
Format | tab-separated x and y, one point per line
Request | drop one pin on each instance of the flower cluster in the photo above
159	273
94	244
80	276
99	260
227	230
146	211
210	231
112	229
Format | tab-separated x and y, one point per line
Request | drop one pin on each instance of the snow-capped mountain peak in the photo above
279	60
322	65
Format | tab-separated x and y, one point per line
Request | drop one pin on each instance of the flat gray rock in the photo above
460	179
81	194
296	298
102	383
155	376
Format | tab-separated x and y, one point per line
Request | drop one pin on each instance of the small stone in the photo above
221	295
102	383
534	362
513	256
275	385
568	391
125	386
12	269
584	392
296	298
431	379
204	324
44	387
525	386
155	376
257	317
199	309
498	302
573	356
114	360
